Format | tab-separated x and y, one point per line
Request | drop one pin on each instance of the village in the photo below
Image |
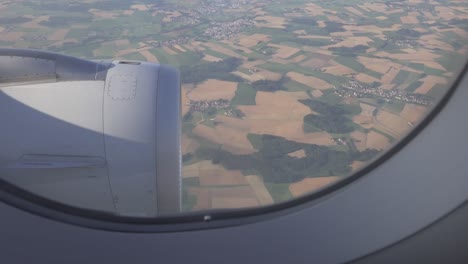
206	105
354	88
220	31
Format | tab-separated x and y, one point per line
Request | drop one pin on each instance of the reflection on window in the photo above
279	98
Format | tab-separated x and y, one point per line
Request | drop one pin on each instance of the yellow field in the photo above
260	75
354	11
169	16
223	50
299	58
213	90
378	64
277	114
140	7
366	78
169	51
279	60
213	174
309	81
429	82
234	43
257	185
310	185
128	12
410	19
365	118
220	176
346	34
371	29
251	78
122	42
393	122
124	52
378	7
248	42
298	154
149	56
321	24
188	144
186	89
388	77
233	202
193	170
432	64
250	64
269	75
282	115
234	197
300	32
317	93
353	41
433	41
314	9
278	106
252	40
211	58
103	14
283	51
59	34
338	69
271	21
360	140
388	86
11	36
179	48
415	55
35	22
377	141
356	165
414	113
445	12
316	62
233	139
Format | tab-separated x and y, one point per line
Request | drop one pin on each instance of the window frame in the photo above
212	219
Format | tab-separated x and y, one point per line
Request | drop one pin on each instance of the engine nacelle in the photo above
97	135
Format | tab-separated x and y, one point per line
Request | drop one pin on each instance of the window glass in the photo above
279	99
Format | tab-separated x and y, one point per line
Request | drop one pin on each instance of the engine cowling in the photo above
98	135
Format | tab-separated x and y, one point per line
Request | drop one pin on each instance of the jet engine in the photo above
100	135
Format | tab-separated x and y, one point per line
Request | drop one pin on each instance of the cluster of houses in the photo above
168	43
205	105
354	88
227	30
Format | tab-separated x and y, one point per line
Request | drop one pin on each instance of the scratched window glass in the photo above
279	99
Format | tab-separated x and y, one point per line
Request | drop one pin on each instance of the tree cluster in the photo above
331	118
211	70
269	85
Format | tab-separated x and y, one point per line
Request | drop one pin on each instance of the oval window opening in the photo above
167	108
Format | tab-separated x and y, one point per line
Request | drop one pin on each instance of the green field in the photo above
245	95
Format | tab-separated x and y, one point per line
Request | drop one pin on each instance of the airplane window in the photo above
279	99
